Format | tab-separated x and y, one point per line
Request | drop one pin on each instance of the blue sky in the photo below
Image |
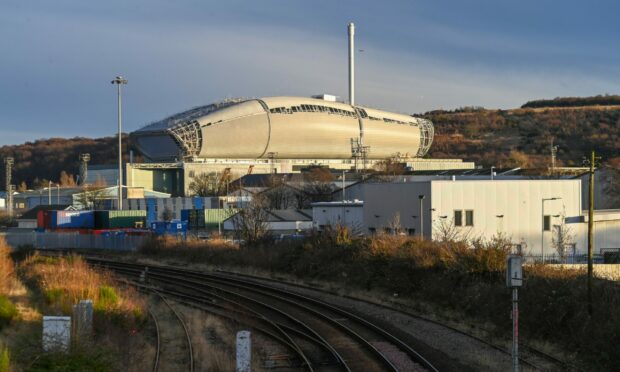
57	57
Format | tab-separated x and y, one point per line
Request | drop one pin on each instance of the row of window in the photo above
332	110
389	230
469	218
312	108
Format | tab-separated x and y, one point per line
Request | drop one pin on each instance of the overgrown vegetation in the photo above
452	275
63	282
7	309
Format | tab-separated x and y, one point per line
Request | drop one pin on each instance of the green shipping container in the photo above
208	218
120	219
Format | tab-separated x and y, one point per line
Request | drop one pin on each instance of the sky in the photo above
57	58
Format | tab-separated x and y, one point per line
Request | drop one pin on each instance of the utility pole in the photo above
9	188
120	81
49	193
591	228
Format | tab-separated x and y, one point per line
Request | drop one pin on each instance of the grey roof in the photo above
62	191
284	215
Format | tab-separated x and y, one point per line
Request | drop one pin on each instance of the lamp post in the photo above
49	193
492	173
119	80
542	235
58	193
421	197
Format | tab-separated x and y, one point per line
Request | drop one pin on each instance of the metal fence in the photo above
119	242
568	259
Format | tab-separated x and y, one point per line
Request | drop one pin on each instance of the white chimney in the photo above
352	64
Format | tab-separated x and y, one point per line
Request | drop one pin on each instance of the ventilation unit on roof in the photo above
326	97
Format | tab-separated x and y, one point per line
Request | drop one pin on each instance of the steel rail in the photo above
187	335
241	284
156	363
135	270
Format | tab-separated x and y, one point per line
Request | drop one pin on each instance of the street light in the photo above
49	193
492	173
421	197
119	80
542	235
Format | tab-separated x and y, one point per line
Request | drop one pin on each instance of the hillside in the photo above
42	160
523	137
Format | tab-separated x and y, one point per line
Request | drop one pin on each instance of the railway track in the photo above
174	345
320	335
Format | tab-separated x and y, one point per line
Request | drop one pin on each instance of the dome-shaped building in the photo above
289	127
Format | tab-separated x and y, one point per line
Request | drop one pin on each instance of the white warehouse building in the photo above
525	211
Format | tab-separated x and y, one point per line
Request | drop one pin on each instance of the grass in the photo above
5	359
453	275
8	311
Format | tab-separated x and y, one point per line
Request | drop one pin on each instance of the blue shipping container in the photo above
185	215
151	213
72	219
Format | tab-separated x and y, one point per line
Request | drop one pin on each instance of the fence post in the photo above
244	351
82	321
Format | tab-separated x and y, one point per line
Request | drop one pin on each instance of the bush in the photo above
92	361
6	266
8	311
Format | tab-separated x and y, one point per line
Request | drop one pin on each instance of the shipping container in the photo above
174	227
72	219
43	220
185	215
120	219
207	218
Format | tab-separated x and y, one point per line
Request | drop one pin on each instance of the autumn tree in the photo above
66	180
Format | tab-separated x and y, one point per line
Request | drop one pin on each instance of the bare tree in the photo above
167	214
446	231
394	224
563	237
318	186
204	184
93	195
250	223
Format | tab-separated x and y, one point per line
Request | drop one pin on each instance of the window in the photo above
458	218
411	232
469	218
372	230
547	223
387	230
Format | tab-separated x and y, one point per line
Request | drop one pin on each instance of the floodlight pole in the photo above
119	80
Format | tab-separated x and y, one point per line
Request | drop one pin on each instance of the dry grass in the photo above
7	271
65	281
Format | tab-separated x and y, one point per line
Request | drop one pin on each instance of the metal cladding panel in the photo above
238	131
73	219
388	139
312	135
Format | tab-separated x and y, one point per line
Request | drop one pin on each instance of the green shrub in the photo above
92	361
8	311
5	359
53	295
107	298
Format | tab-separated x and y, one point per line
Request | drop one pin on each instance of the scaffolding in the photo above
427	131
359	153
188	136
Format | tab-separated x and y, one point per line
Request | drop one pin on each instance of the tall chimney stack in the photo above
351	64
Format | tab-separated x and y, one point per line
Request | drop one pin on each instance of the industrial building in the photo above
527	211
